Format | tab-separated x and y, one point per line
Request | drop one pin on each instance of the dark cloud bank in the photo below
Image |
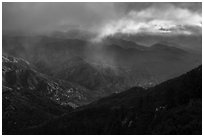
42	17
104	19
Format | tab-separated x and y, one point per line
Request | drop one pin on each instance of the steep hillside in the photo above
29	97
173	107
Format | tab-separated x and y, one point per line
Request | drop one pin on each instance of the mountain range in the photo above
172	107
58	84
116	63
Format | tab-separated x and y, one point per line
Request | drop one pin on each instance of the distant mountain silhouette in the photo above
104	68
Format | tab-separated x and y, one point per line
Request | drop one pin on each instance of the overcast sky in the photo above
104	18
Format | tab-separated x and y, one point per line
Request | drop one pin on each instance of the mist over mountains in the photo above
102	68
114	61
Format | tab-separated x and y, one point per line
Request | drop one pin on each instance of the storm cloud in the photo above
55	16
103	18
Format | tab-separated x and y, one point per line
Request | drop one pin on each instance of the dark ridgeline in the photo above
173	107
101	68
37	94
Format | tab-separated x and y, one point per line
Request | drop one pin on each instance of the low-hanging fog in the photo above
108	35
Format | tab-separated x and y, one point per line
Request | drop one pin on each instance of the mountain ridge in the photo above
156	111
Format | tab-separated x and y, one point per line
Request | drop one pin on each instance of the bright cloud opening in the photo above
170	20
